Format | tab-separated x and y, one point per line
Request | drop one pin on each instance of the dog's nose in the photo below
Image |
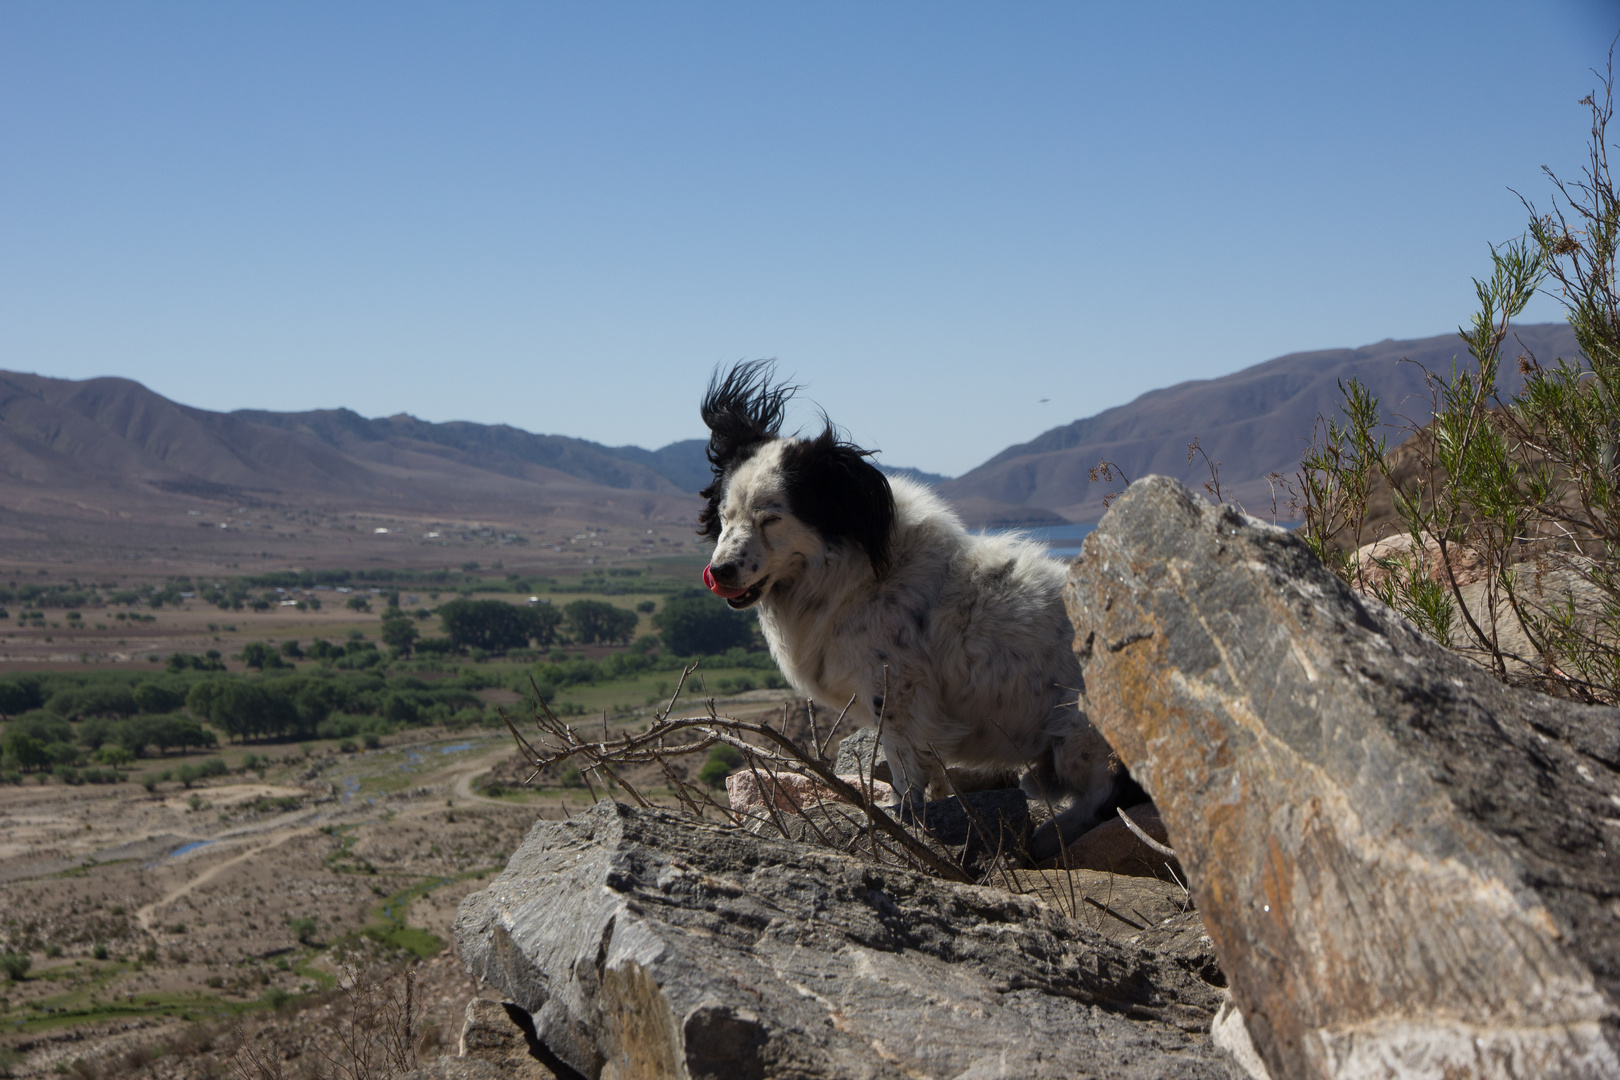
725	573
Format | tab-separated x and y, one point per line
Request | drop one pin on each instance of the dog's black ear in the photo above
741	411
833	488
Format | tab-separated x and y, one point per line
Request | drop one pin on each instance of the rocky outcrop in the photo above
1407	868
644	943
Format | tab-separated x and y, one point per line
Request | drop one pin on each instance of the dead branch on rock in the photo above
761	745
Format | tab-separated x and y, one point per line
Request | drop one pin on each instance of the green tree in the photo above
19	694
321	649
544	619
259	655
23	751
42	726
592	621
245	710
496	626
153	697
400	633
699	624
92	701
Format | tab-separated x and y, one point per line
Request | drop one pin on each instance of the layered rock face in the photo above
1407	868
649	944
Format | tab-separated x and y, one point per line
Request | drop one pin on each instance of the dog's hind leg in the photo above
1082	767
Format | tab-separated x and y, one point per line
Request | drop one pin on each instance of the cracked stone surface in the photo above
647	944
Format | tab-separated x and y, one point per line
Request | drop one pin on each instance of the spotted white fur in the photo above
961	644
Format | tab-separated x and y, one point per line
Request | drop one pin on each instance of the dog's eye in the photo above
769	519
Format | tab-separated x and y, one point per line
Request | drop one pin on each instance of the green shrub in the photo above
1520	491
15	965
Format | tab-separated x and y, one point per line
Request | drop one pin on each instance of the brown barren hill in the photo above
1252	422
107	463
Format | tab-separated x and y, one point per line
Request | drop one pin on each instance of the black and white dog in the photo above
871	587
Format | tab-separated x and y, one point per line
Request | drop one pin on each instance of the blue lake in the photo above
1062	541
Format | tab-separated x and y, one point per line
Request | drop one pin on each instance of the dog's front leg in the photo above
910	778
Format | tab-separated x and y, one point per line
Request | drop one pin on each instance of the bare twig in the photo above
1136	830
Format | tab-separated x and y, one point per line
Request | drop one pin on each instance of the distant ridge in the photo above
1251	422
112	443
931	479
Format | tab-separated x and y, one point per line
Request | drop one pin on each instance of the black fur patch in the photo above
833	488
741	411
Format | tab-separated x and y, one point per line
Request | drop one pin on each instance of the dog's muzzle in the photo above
736	598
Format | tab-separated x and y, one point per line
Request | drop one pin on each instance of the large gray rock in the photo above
1407	868
648	944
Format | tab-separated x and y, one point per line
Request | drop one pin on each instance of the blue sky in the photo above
563	216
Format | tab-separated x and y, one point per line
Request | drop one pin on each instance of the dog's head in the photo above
779	504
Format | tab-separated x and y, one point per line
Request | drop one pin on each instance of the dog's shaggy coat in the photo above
871	587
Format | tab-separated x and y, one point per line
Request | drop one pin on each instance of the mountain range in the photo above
1250	424
111	446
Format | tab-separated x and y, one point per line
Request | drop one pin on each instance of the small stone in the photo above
752	794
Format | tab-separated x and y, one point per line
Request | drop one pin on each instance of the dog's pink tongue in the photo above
717	588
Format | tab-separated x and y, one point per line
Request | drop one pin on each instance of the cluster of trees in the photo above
693	623
59	721
496	626
138	734
696	623
42	595
208	661
593	622
300	706
42	740
22	694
